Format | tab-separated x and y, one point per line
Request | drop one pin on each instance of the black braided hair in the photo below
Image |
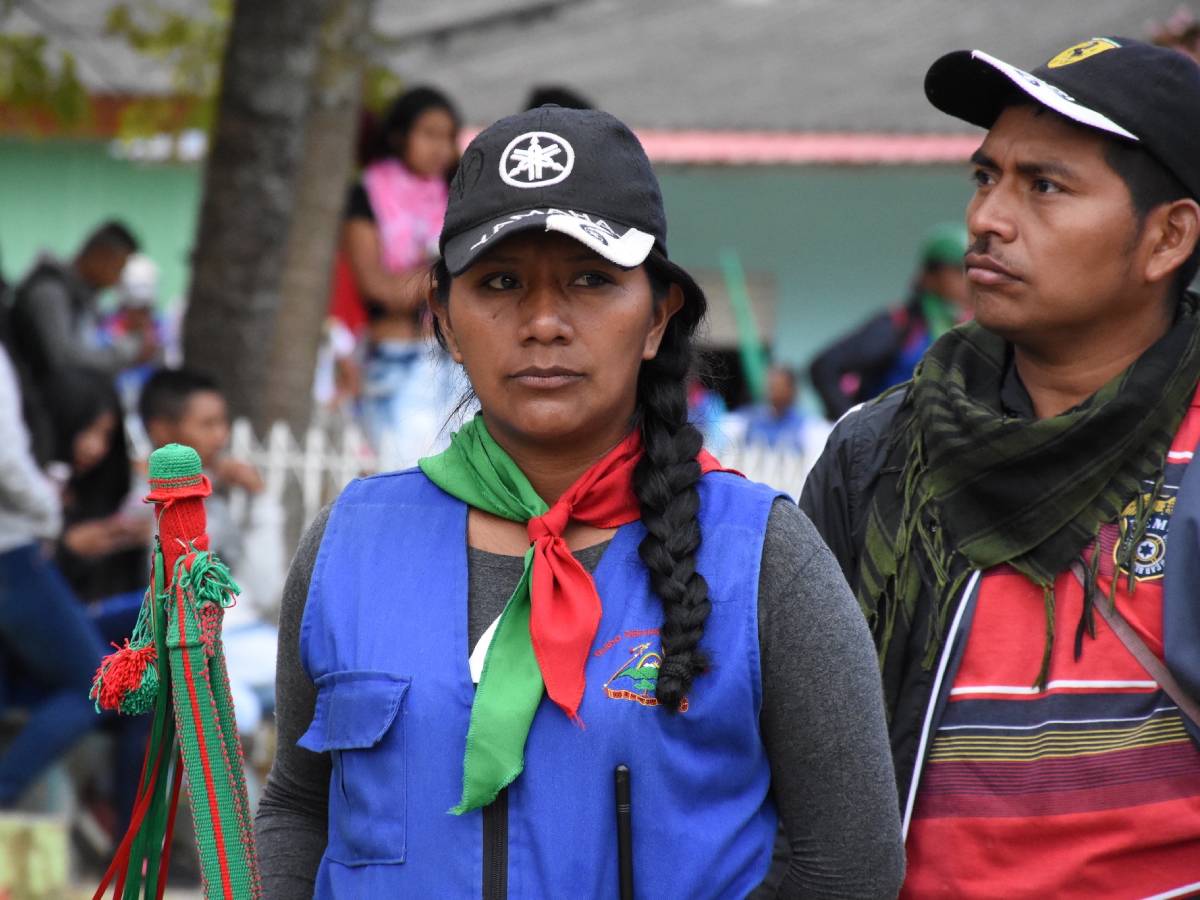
665	483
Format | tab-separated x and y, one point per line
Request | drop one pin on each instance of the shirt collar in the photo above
1014	399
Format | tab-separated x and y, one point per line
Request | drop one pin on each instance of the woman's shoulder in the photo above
401	485
731	489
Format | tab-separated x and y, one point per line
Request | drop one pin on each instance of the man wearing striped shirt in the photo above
1021	521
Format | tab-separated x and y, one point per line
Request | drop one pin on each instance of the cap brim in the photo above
976	87
620	244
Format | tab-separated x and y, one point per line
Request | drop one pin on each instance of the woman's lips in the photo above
546	378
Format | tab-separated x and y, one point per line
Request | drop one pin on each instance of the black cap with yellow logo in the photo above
1127	88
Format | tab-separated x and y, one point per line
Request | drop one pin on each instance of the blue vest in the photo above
384	638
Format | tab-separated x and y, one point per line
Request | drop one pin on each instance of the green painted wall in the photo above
839	241
53	192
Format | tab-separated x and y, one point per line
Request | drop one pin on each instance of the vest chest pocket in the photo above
359	721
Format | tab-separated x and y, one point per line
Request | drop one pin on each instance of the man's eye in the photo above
1042	186
500	282
592	280
981	177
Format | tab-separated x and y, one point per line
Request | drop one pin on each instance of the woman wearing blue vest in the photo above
469	649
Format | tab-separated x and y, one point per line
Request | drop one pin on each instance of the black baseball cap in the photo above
1135	91
579	172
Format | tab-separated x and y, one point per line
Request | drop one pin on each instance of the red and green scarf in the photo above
545	633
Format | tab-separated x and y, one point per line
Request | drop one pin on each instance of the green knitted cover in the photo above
175	465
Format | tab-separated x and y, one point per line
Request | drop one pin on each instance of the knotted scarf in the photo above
544	635
967	487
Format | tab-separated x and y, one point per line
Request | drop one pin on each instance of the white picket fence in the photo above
327	457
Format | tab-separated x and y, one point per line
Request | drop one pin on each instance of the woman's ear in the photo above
441	312
663	310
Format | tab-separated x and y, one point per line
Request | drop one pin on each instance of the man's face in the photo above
102	267
204	426
781	390
1052	231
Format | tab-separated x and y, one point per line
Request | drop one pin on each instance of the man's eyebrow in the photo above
981	159
1053	167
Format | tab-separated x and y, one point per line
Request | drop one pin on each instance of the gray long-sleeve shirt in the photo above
59	309
822	721
29	503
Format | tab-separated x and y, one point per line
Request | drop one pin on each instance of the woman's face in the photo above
92	444
431	146
552	337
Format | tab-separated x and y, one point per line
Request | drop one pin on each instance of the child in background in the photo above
181	406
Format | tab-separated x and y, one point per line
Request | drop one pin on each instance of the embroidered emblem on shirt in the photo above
637	678
536	159
1150	554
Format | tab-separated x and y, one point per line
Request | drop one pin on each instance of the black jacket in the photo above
837	497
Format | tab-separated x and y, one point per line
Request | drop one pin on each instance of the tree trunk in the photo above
328	156
250	193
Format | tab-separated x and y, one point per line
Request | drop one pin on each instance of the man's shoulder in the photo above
838	490
864	429
47	275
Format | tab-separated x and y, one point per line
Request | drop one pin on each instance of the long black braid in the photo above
665	483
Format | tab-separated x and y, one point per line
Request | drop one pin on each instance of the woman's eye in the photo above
500	282
592	280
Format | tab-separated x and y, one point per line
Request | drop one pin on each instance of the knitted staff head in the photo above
127	680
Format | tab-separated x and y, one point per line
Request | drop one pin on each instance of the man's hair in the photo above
557	94
1150	184
112	236
167	392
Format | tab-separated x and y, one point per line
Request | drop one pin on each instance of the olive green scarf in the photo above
966	487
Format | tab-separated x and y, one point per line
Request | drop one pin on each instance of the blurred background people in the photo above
137	313
55	317
106	534
182	406
48	647
778	423
884	351
1180	31
389	238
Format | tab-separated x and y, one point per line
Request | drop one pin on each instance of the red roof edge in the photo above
775	148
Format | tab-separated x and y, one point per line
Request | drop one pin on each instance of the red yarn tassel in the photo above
121	672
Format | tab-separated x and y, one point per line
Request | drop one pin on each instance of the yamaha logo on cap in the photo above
577	172
536	159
